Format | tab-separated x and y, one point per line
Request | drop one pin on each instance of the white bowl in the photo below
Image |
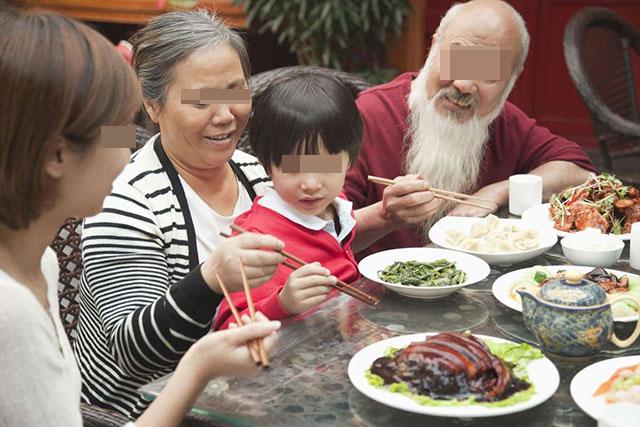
547	238
475	268
578	253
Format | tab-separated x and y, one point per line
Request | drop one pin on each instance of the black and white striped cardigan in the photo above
143	299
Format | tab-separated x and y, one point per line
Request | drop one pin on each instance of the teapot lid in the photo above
573	290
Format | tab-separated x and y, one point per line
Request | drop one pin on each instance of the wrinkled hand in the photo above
259	264
225	353
408	203
306	287
494	192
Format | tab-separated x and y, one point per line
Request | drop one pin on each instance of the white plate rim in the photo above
471	258
589	378
539	211
503	284
498	258
368	354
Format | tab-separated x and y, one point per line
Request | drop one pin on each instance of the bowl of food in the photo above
602	202
498	241
591	247
426	273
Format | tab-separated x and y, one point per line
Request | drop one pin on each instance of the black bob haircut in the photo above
294	112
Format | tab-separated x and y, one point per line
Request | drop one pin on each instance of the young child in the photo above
306	131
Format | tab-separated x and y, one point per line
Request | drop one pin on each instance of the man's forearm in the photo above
371	226
558	175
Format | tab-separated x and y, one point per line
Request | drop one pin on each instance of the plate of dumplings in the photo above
498	241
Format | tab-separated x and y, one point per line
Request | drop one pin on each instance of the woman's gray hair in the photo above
170	38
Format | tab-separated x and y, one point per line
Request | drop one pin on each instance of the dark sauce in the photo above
430	379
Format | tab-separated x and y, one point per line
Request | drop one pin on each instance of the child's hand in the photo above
225	353
307	287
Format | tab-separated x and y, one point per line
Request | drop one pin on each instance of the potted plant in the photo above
341	34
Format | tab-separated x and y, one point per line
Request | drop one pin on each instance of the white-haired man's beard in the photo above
447	153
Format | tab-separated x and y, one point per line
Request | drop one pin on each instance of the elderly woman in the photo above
148	291
53	166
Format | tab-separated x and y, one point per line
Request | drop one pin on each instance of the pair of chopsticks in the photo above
340	285
463	199
256	348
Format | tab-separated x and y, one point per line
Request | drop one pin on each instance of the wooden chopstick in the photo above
251	345
340	285
264	359
441	194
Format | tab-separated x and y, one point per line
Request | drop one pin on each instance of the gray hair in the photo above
522	28
170	38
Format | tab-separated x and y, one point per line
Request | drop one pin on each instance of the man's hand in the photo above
498	193
408	203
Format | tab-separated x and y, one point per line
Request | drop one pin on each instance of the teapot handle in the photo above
614	339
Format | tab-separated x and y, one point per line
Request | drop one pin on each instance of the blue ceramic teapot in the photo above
571	316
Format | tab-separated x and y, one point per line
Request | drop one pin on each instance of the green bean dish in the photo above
414	273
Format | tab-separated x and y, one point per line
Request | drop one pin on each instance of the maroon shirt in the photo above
516	145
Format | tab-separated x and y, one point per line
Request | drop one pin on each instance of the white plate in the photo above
475	268
502	287
587	381
437	234
540	215
542	374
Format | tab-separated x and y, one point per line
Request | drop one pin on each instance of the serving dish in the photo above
541	373
546	238
475	268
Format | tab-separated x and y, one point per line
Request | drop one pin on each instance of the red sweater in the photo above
300	241
518	144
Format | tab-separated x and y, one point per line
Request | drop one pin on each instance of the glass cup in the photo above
525	191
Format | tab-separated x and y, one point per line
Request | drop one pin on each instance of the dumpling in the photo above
510	228
478	229
455	237
470	244
526	244
492	221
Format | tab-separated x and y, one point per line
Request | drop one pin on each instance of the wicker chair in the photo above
598	48
259	82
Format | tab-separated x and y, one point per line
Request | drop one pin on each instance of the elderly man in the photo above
459	135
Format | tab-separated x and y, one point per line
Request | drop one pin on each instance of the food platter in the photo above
540	215
541	372
503	287
546	239
586	382
475	268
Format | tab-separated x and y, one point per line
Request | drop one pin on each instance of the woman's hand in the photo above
259	264
222	353
225	353
306	287
408	203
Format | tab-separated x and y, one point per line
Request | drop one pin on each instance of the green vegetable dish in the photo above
415	273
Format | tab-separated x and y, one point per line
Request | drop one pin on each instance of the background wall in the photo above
545	90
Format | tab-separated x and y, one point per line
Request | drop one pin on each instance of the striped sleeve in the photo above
148	318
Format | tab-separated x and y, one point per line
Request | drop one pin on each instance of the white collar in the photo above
273	201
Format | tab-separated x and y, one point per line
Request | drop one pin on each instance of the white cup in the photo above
634	250
525	191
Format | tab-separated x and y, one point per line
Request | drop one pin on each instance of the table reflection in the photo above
307	383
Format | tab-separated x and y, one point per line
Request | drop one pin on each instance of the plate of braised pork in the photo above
611	281
602	202
452	374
